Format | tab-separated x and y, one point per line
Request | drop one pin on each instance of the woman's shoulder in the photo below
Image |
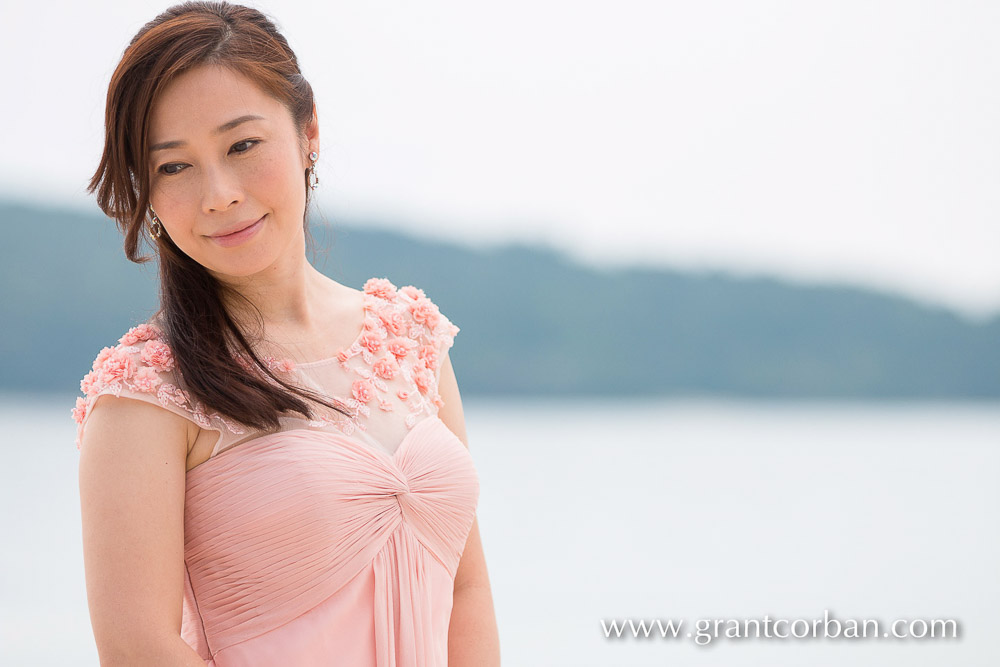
405	329
142	366
140	361
408	311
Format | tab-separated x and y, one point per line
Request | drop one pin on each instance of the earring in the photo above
155	228
313	178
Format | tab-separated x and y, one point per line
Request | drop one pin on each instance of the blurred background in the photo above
727	282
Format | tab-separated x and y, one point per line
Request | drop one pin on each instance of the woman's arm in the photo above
473	638
132	481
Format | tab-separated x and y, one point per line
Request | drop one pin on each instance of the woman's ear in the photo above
312	131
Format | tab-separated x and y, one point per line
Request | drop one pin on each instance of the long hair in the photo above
214	357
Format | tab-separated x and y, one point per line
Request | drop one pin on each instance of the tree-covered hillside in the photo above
532	321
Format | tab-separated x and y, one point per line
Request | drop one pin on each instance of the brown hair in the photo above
208	346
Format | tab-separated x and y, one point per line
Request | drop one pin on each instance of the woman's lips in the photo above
236	238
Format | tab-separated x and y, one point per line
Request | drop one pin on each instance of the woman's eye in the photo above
165	169
251	142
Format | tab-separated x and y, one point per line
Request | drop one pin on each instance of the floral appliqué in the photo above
400	343
141	363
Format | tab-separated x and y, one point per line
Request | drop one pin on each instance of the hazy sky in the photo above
847	141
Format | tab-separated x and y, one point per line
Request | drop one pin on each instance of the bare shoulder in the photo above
119	425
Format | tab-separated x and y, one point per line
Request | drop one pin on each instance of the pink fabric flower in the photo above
380	287
422	377
371	340
428	354
386	367
89	383
117	368
412	292
437	400
80	411
362	390
146	379
102	356
158	355
425	312
403	394
400	347
394	320
140	333
342	355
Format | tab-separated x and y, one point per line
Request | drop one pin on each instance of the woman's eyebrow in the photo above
225	127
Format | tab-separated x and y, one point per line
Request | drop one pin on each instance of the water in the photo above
603	509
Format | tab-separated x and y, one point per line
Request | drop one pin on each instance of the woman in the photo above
289	482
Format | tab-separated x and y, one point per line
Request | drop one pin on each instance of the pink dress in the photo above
332	541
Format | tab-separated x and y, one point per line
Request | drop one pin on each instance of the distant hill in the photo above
533	321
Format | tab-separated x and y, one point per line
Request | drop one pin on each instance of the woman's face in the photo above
211	174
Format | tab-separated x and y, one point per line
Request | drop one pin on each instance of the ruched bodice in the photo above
320	544
288	520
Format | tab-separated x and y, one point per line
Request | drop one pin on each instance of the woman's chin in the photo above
237	269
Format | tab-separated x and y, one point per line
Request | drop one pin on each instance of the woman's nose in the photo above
221	189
